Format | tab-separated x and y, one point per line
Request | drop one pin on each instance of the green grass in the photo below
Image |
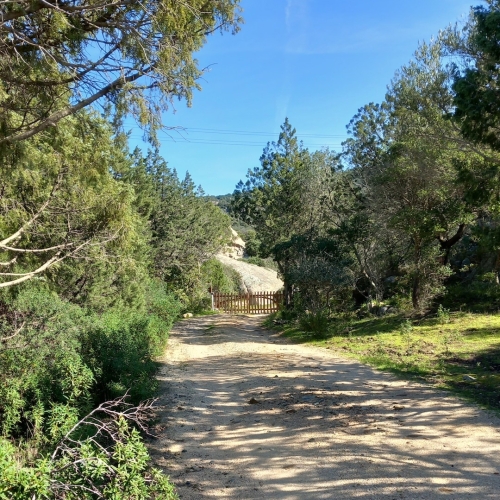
444	353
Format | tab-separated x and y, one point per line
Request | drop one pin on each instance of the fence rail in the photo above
248	303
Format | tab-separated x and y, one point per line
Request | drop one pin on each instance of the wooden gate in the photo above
248	303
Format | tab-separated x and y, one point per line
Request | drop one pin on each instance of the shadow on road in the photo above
248	415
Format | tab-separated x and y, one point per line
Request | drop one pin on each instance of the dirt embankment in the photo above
247	415
255	278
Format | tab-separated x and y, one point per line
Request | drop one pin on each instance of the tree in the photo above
477	106
60	201
404	157
282	197
187	229
57	58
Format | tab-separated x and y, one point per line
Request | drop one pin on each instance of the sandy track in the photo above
321	427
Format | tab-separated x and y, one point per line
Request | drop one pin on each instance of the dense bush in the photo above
41	362
101	456
315	323
59	361
214	275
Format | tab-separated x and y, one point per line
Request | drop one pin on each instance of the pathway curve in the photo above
248	415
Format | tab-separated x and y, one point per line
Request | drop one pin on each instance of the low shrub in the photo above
315	323
101	456
478	296
59	361
121	346
268	263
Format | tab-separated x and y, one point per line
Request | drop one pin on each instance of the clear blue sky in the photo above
315	61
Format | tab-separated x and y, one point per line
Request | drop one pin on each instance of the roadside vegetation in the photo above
459	351
101	248
389	248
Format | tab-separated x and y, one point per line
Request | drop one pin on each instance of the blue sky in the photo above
315	61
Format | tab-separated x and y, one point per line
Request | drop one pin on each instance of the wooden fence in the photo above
249	303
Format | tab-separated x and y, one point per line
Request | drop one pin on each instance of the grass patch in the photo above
460	353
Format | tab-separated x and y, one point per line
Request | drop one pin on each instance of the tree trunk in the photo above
447	244
415	292
288	295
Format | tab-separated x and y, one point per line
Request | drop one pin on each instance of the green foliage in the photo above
70	360
405	331
40	361
219	277
112	465
187	229
443	315
477	107
120	347
146	52
259	261
57	363
281	198
315	323
474	296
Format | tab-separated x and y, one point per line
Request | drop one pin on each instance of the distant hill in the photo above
222	200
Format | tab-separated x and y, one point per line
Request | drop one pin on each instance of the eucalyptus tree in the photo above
405	155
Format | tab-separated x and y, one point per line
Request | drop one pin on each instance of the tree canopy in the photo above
57	58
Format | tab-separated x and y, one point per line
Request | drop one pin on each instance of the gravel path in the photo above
248	415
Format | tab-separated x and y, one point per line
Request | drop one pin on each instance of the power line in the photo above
183	135
232	143
267	134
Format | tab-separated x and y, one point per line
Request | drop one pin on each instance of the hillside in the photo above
254	278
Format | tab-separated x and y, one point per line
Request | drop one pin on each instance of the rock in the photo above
383	310
236	249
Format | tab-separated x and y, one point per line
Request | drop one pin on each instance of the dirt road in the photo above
248	415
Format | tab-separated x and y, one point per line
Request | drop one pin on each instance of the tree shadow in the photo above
272	423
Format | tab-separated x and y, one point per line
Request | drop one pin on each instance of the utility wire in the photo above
267	134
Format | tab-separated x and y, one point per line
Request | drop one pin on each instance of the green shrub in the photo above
443	315
268	263
315	323
56	355
40	361
477	296
102	456
221	278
